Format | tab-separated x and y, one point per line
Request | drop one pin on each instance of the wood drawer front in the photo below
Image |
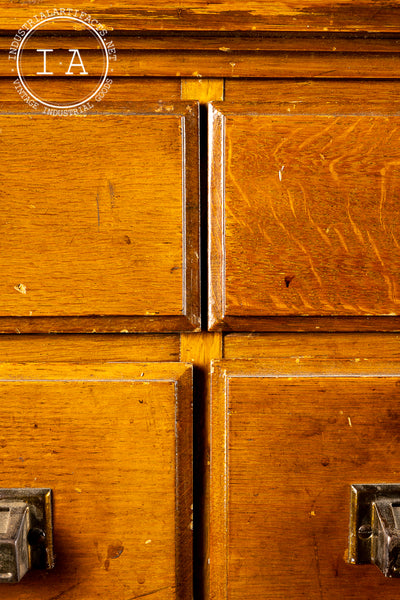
287	440
100	218
303	217
114	443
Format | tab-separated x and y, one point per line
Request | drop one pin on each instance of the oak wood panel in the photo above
226	15
226	42
158	89
365	94
85	238
202	90
219	63
114	444
89	348
302	215
287	440
357	346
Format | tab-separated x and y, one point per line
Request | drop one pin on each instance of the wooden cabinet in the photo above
114	443
80	226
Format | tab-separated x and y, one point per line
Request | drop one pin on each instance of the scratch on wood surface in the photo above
21	288
61	594
167	587
318	568
98	211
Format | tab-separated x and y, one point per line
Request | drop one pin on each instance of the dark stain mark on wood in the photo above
115	550
288	280
112	194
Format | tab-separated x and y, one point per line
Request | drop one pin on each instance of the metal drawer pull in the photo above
375	527
26	532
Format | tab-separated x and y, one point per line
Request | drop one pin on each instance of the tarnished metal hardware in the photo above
375	527
26	532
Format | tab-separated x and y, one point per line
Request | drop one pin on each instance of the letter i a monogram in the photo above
76	54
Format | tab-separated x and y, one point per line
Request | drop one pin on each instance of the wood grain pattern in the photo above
366	94
357	346
89	348
202	90
288	438
114	443
225	41
154	89
243	63
226	15
92	216
307	195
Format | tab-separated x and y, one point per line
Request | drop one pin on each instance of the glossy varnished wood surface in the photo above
224	62
80	230
302	210
227	15
359	95
356	346
225	55
123	89
287	440
83	348
114	443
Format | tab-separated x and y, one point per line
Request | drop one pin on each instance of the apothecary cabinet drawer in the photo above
100	219
288	438
114	443
303	210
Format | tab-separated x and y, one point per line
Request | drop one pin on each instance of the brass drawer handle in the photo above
375	527
26	532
